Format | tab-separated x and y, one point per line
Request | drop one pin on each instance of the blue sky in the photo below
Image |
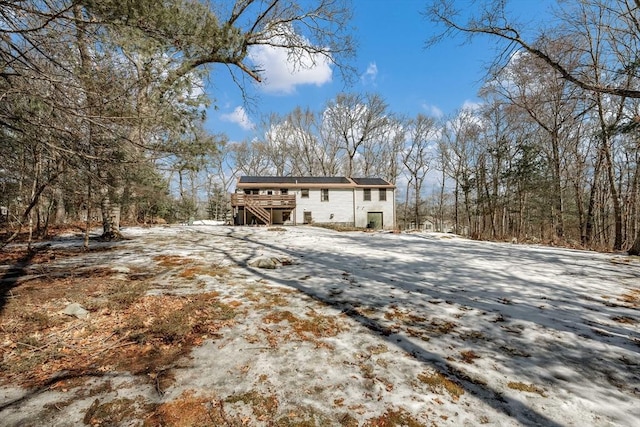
391	60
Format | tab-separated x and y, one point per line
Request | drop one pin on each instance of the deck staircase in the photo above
260	212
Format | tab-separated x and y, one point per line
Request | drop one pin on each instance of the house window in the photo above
367	194
324	195
269	193
304	193
284	191
383	194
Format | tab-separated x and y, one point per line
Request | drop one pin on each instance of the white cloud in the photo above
471	105
238	116
369	76
432	111
282	75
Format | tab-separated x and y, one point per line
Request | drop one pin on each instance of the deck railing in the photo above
265	201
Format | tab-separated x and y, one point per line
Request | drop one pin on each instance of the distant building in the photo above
352	202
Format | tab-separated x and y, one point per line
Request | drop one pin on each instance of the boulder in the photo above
264	262
75	309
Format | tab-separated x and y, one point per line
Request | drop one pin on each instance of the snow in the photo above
551	334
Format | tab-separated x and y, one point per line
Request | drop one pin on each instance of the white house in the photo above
353	202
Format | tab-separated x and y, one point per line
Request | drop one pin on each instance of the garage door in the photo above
374	220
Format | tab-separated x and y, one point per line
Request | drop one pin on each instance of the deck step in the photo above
260	212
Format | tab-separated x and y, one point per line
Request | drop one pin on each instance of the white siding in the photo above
339	208
375	205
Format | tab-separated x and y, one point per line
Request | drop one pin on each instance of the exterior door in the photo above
374	220
307	218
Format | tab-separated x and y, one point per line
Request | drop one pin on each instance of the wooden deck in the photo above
287	201
262	206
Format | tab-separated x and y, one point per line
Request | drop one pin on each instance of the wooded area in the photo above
103	101
103	107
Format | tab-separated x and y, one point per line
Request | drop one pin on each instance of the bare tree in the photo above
620	19
555	106
252	158
381	153
355	120
307	154
601	39
417	157
458	149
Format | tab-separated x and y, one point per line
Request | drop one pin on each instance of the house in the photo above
353	202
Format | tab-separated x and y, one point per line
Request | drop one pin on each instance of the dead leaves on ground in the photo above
126	329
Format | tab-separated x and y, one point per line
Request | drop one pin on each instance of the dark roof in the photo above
293	180
370	181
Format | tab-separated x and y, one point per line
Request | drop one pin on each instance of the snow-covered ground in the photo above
448	330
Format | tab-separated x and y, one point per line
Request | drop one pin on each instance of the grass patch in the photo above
172	260
265	300
310	328
263	407
473	336
190	267
632	297
468	356
625	319
340	228
392	418
307	417
529	388
408	319
441	327
114	412
191	272
191	409
377	349
118	296
438	382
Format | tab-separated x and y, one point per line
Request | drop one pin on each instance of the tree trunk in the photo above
558	205
441	202
587	240
417	201
615	199
110	214
405	214
61	212
635	248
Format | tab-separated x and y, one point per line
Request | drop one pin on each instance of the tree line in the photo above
103	106
552	153
576	79
533	161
